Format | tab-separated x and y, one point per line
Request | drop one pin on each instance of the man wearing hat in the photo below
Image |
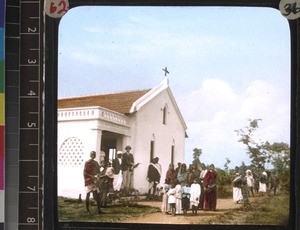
118	177
127	168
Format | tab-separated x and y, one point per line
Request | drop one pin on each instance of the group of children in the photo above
178	198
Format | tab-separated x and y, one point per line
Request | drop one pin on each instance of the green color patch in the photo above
70	210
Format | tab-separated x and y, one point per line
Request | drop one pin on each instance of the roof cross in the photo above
166	71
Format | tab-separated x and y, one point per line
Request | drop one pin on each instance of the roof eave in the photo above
139	103
164	85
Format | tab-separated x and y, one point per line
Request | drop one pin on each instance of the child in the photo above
172	199
185	198
195	196
178	196
165	206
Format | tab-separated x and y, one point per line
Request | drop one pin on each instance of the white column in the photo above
126	141
99	155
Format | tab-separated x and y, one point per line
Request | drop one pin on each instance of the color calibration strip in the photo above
2	127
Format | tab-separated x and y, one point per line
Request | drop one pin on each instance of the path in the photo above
223	205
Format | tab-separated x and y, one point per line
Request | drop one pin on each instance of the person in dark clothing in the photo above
171	174
210	189
274	182
185	197
127	168
90	172
118	177
153	175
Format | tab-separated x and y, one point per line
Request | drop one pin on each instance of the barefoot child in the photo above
172	199
165	205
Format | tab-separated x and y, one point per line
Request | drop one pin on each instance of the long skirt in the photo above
210	200
237	194
185	203
178	206
118	179
262	187
200	206
165	207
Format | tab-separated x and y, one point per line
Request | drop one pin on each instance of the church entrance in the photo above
110	144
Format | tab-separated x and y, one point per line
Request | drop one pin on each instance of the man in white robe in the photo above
118	177
263	183
236	190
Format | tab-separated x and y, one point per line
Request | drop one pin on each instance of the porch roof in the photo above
120	102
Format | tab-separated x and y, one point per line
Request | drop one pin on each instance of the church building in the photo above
147	120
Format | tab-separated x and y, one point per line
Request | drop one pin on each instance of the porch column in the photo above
98	140
126	141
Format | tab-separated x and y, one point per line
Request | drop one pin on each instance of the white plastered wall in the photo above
70	181
148	124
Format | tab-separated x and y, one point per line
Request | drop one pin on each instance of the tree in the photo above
278	153
225	177
280	159
226	165
196	156
256	151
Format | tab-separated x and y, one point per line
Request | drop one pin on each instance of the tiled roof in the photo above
119	102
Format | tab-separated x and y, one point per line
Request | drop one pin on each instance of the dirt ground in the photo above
223	205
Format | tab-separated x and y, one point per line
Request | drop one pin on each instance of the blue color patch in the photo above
2	43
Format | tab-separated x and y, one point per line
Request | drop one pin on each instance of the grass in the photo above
272	210
70	210
276	208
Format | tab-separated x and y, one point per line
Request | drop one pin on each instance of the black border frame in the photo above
50	109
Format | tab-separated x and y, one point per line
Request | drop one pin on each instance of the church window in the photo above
165	110
172	154
151	150
71	153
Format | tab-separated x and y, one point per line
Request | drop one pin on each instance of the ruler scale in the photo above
12	114
30	163
24	139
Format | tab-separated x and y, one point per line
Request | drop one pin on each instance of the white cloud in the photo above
215	110
215	95
258	99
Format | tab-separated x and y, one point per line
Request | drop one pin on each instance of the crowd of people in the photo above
246	184
185	188
108	177
193	188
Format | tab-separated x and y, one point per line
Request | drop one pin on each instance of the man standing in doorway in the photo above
127	168
118	177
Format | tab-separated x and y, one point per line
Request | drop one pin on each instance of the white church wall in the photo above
149	126
75	141
81	125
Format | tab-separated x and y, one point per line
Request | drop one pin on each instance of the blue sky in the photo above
227	64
